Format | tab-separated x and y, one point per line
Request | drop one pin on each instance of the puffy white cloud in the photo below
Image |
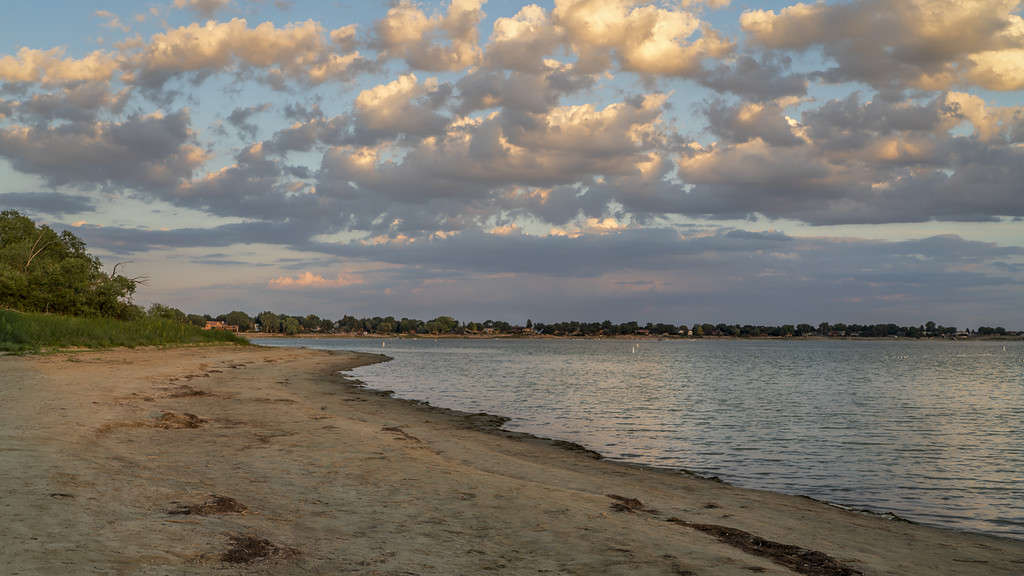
524	41
643	38
893	44
439	42
401	107
298	51
311	280
51	67
989	123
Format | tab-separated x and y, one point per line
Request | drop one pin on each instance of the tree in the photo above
310	323
240	319
168	313
42	271
290	326
445	325
269	322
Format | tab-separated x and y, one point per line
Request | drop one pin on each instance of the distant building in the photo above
218	325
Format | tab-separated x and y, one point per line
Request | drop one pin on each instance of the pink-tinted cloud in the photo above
310	280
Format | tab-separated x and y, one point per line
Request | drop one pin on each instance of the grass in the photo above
31	332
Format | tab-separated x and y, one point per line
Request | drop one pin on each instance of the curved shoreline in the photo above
494	423
190	460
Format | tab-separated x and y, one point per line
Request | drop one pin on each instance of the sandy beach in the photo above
224	460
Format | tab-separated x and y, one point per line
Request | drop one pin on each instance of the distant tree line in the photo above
273	323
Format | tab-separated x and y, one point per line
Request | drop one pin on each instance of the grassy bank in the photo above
20	332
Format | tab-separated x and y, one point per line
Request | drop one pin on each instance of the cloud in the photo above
146	152
530	154
760	78
297	52
437	43
401	107
898	44
81	102
310	280
53	203
524	41
239	119
752	120
643	38
112	20
449	181
687	275
520	92
51	67
205	8
859	162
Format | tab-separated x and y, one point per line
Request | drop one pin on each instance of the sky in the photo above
686	161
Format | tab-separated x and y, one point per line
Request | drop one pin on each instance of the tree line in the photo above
273	323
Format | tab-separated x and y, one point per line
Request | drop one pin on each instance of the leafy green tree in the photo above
269	322
167	312
197	320
290	326
42	271
240	319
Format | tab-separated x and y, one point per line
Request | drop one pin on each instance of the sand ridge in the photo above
265	461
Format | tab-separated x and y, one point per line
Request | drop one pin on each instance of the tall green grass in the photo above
24	332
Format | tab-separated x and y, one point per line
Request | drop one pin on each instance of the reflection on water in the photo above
933	431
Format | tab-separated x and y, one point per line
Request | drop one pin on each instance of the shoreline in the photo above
346	479
306	336
494	423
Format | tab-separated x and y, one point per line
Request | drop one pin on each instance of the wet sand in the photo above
225	460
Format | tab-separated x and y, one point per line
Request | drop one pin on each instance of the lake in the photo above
932	431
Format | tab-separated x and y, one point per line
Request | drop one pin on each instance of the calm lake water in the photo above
931	431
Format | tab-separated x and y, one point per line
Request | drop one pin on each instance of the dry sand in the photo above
226	460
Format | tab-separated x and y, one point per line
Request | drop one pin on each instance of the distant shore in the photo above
242	460
261	335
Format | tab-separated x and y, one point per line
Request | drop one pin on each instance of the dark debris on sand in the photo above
246	548
800	560
215	504
624	504
185	391
173	420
